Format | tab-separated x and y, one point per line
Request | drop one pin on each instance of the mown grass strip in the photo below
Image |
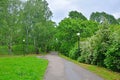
102	72
22	68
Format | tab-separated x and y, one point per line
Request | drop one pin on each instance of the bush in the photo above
93	49
81	59
21	49
112	60
3	50
74	53
16	49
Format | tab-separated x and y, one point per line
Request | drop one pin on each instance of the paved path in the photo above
61	69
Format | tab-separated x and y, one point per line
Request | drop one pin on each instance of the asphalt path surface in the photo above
61	69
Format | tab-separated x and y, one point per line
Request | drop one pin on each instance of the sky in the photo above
61	8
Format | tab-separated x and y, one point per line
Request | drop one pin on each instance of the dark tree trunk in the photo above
37	50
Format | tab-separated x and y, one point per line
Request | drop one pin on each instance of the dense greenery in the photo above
67	29
102	49
22	68
25	26
99	42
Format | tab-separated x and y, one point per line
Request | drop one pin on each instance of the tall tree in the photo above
77	15
10	9
99	17
67	29
36	15
29	20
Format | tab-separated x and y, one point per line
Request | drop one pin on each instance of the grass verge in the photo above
102	72
22	68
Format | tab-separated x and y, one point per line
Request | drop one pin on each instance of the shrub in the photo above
112	60
3	50
17	49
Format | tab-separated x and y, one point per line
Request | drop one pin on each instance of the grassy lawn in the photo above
22	68
102	72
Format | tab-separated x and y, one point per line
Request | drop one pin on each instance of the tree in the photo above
10	10
36	14
29	20
99	17
77	15
67	29
43	35
118	20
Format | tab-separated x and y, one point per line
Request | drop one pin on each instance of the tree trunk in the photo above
37	50
10	48
10	45
26	48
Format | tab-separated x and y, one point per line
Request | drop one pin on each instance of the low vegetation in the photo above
22	68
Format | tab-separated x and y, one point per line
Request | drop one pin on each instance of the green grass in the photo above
22	68
102	72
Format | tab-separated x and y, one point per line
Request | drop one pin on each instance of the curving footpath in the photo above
61	69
